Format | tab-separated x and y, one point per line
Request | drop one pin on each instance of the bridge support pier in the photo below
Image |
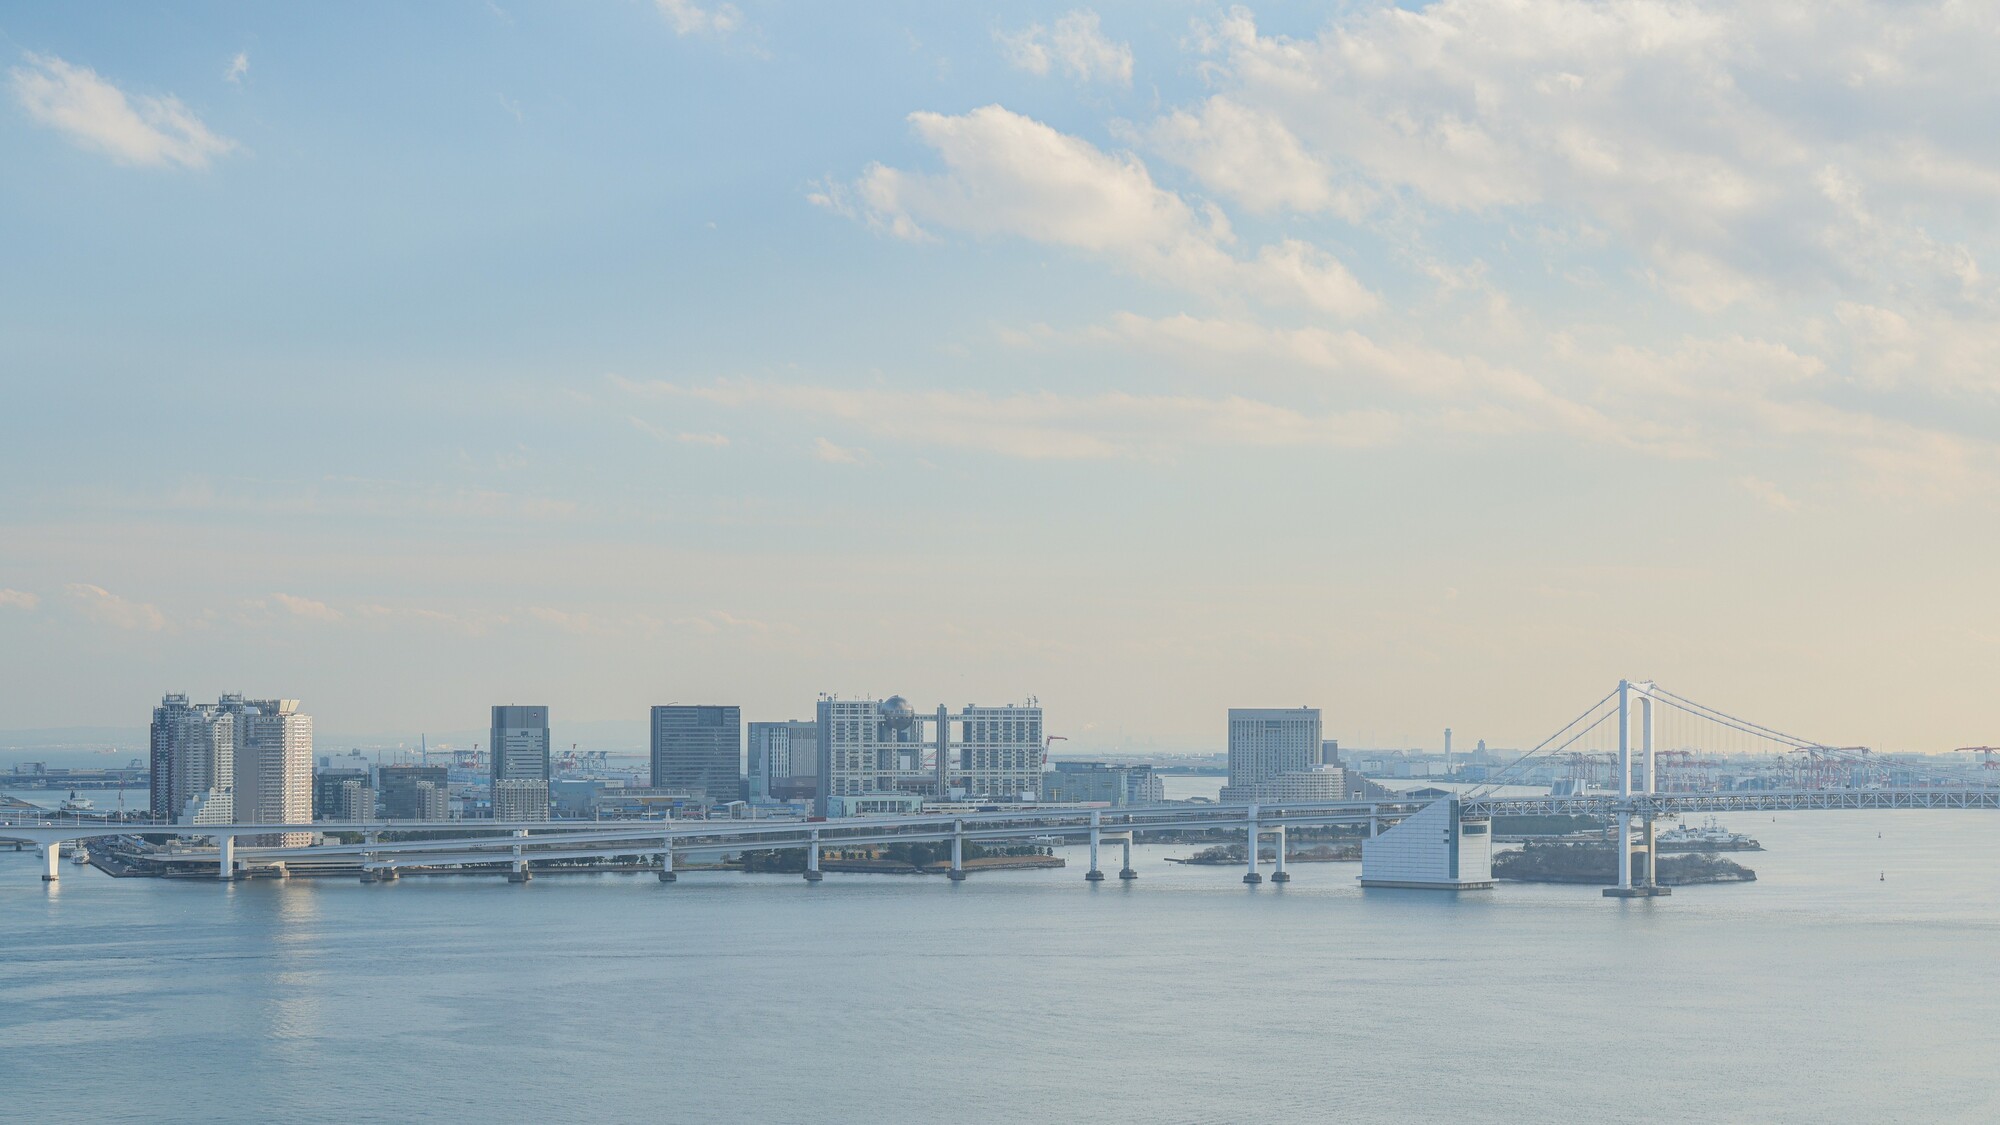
957	874
1094	875
813	874
1126	871
225	848
667	861
1250	849
1279	876
520	872
54	855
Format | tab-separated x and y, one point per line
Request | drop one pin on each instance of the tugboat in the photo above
1710	837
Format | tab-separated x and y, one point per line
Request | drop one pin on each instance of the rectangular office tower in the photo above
520	752
699	747
414	792
784	760
1274	754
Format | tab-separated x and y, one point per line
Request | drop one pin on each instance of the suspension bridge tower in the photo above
1638	805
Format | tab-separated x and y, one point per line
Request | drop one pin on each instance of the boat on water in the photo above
1709	837
76	804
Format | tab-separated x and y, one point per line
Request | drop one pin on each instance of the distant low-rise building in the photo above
1102	783
1319	783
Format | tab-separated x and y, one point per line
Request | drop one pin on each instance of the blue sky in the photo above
1433	365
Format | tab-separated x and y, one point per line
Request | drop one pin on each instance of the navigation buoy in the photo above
1883	878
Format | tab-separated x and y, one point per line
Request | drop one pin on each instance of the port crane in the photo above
1985	753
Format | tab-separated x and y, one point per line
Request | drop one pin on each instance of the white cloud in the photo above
1251	157
105	607
1770	494
238	67
1044	425
1006	174
18	599
824	450
1738	150
578	623
689	18
1076	43
306	608
143	130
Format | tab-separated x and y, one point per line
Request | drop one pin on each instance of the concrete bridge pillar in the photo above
1250	851
667	861
1279	875
813	874
519	874
1126	871
225	848
53	853
1096	838
957	851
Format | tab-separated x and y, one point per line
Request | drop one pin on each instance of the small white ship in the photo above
76	804
1710	837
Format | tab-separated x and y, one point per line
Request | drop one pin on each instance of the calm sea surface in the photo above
1822	992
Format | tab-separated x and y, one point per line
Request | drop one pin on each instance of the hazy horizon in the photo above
1434	366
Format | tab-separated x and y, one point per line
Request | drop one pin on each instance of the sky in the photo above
1434	365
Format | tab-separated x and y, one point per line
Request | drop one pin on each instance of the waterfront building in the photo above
1101	783
1268	743
343	794
520	756
699	747
1436	848
274	755
1000	752
246	761
784	760
193	762
875	804
868	746
414	792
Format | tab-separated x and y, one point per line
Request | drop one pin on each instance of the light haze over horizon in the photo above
1431	366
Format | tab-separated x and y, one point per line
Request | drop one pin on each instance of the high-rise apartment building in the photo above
1267	746
520	755
274	755
193	762
414	792
784	760
699	747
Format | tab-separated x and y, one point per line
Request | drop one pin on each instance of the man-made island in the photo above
1597	864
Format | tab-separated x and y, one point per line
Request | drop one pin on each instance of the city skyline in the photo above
1072	348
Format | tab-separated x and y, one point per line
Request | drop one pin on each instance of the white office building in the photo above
869	747
999	751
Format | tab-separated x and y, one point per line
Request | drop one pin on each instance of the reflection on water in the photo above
1824	991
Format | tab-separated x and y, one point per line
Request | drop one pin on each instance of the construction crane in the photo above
1049	742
